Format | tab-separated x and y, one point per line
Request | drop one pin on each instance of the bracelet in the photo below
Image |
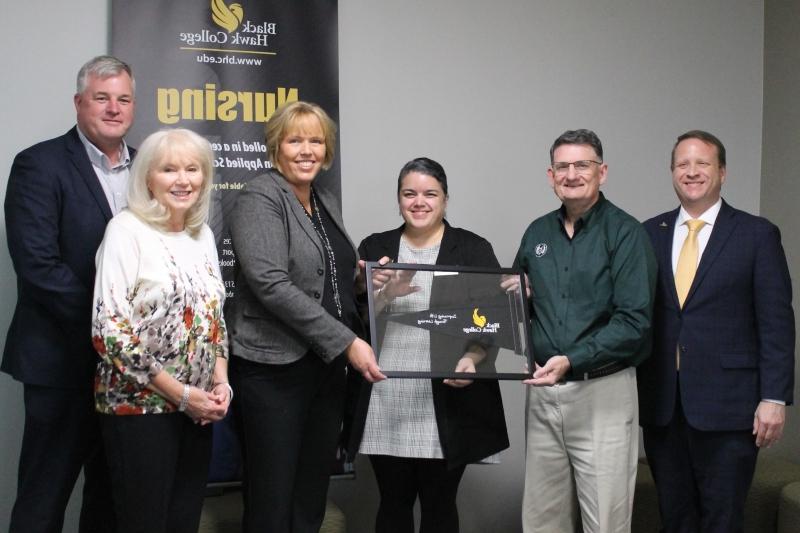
228	385
184	399
381	294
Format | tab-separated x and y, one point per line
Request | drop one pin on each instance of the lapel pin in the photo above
663	225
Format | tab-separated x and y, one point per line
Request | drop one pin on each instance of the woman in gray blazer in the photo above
290	323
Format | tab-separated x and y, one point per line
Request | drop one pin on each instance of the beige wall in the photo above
483	87
780	176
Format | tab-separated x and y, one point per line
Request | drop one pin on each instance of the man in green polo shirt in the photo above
592	275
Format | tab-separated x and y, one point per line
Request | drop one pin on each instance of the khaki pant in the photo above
582	449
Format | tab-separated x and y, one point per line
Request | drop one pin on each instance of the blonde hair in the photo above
153	151
287	118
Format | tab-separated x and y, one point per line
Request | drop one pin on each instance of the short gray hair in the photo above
153	150
103	67
582	136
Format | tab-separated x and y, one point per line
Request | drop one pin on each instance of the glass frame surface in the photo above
461	322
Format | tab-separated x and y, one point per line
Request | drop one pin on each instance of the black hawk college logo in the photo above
540	249
226	16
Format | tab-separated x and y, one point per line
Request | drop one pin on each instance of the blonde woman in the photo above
292	325
159	331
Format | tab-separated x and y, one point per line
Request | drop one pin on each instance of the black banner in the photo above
221	69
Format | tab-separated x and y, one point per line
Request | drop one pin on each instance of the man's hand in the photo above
510	283
768	423
551	373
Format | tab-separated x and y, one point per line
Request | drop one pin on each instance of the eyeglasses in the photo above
581	167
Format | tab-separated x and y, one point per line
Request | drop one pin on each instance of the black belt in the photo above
599	372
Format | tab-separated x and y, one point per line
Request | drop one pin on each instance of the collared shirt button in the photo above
316	295
320	271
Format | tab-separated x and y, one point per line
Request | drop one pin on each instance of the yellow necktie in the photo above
687	260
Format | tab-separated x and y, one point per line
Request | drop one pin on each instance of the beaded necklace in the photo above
326	244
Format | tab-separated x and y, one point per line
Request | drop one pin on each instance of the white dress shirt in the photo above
113	180
682	230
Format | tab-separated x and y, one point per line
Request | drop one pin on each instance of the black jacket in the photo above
470	420
56	214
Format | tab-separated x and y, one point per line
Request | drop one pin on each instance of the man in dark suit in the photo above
714	390
61	193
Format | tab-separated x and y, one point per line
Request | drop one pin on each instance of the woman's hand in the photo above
397	284
362	358
389	284
474	355
465	364
223	391
201	406
379	277
361	276
393	284
206	407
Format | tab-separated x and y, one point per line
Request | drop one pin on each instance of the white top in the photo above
157	305
401	420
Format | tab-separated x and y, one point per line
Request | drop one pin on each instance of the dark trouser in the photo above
702	477
159	467
61	436
290	416
401	480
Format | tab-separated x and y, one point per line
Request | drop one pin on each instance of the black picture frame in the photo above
466	307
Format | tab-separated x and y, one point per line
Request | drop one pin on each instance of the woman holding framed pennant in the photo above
419	433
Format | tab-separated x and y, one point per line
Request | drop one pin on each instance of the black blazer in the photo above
735	332
471	421
56	213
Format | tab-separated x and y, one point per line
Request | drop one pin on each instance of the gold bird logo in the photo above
478	320
228	17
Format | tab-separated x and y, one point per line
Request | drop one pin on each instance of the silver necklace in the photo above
326	244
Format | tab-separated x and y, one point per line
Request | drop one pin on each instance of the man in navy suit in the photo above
721	373
61	193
